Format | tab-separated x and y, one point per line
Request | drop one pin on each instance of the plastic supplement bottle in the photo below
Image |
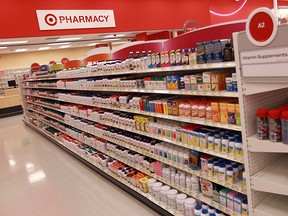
245	208
156	190
171	197
177	179
222	172
219	213
216	170
225	144
204	212
195	183
210	168
150	185
205	206
230	175
190	204
209	111
164	190
180	200
197	211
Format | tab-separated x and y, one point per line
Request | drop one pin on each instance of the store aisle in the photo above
38	178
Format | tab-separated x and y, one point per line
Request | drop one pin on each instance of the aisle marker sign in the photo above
261	26
75	19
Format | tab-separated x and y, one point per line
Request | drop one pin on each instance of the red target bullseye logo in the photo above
51	19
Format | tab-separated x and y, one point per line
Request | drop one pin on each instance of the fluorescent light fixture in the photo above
13	42
58	44
21	50
12	162
111	39
37	176
114	35
44	48
92	44
3	47
66	46
120	42
69	39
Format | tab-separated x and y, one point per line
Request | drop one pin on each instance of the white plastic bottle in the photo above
197	211
150	185
210	168
230	175
190	204
222	172
231	147
211	210
217	143
182	180
164	190
211	141
188	183
195	183
172	179
180	200
156	189
168	174
177	179
216	170
171	197
225	144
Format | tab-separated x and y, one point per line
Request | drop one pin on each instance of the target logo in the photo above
51	19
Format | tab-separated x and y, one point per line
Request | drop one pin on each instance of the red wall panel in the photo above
231	6
18	17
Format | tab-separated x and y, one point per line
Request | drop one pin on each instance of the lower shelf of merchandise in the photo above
236	186
146	198
272	179
199	196
273	206
256	145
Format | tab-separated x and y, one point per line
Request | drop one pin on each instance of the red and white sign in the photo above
75	19
261	27
35	67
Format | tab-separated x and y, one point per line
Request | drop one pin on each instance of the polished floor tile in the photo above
37	178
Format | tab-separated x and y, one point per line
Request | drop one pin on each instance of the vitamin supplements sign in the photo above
261	27
75	19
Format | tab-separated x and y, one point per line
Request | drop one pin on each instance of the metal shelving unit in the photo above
263	85
228	65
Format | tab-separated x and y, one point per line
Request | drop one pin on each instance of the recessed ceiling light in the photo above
66	46
69	39
58	44
3	47
21	50
92	44
44	48
114	35
111	39
120	42
12	42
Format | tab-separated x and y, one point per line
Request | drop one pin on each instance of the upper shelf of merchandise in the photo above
85	73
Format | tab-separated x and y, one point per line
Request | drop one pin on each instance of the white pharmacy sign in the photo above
75	19
265	56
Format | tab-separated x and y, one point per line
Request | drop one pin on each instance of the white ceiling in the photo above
34	43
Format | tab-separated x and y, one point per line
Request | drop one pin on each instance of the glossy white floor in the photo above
39	179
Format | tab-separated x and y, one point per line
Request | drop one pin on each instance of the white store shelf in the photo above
273	179
219	65
151	91
256	145
276	205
